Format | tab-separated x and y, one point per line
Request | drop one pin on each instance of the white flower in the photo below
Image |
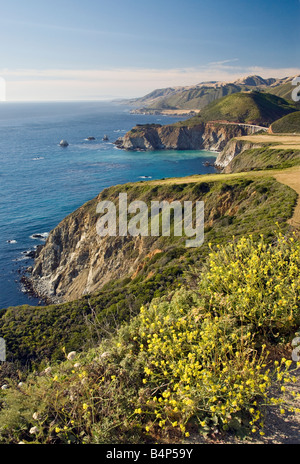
48	370
71	355
4	387
36	416
76	365
33	430
20	384
104	355
21	443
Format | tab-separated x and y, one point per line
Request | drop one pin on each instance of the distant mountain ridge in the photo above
231	116
197	97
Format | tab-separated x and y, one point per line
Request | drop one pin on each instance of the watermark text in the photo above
162	218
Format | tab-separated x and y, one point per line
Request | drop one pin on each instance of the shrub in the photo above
194	360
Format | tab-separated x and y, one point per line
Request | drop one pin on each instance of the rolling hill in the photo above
288	124
246	108
199	96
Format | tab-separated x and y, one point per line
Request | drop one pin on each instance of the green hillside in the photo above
180	347
246	107
288	124
38	334
196	98
199	96
282	90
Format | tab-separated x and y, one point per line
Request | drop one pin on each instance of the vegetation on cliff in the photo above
199	96
288	124
264	158
167	340
234	206
214	126
200	359
247	108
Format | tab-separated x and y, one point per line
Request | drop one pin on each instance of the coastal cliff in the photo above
202	136
75	261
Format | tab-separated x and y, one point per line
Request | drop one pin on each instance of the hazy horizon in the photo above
70	51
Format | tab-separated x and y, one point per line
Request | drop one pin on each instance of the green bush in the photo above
196	359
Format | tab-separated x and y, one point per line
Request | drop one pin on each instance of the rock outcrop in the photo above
75	260
203	136
233	148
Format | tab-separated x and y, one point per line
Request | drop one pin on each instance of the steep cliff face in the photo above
202	136
76	260
233	148
156	137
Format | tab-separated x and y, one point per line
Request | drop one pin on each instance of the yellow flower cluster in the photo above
202	360
265	278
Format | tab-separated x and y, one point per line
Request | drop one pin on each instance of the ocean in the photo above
42	182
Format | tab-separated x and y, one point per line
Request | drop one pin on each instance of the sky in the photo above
99	50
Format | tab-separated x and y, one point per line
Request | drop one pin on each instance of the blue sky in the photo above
101	49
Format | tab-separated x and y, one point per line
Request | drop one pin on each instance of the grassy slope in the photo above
194	361
246	108
264	158
196	98
255	107
283	90
235	205
288	124
199	98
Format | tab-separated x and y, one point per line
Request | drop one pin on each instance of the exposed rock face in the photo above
203	136
232	149
76	261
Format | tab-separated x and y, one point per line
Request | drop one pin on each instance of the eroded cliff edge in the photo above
202	136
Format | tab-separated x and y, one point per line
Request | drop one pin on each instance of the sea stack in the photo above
63	143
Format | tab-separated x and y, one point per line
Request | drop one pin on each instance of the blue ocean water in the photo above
41	182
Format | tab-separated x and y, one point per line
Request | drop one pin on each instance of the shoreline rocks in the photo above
212	136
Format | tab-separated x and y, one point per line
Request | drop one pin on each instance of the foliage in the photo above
193	360
237	206
244	107
288	124
256	159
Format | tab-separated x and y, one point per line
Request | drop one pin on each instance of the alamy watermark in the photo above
161	219
2	350
296	91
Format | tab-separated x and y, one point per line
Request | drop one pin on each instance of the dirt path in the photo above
290	177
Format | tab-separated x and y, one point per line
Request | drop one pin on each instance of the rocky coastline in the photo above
213	136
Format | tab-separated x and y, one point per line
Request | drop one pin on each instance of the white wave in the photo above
11	241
